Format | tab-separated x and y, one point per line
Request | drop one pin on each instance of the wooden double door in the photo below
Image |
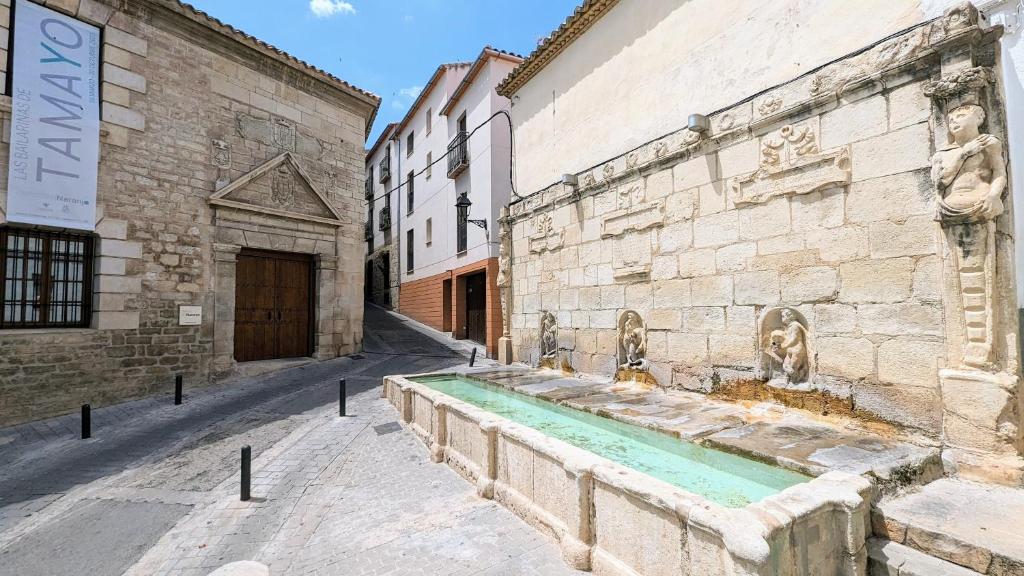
273	305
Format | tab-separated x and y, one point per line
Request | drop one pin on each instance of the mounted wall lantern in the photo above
462	207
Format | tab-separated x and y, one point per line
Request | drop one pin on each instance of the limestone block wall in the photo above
814	195
189	106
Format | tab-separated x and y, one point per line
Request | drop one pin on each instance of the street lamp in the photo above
462	206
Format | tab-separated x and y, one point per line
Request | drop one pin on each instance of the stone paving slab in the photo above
978	526
331	495
766	431
817	448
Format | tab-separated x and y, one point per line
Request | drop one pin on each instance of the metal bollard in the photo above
472	357
246	471
177	390
341	397
86	422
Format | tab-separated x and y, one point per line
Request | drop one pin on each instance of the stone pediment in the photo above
278	187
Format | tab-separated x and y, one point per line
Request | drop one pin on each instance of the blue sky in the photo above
391	47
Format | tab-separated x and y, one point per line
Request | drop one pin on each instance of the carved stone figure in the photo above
504	279
785	349
548	337
632	342
970	178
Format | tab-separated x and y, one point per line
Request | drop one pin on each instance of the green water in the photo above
721	477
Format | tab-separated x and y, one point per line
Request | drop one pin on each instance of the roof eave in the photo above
582	18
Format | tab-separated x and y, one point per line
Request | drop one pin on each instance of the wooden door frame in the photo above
312	267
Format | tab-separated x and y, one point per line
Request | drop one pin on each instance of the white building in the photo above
454	140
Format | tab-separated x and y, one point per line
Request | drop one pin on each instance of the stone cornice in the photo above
884	64
574	26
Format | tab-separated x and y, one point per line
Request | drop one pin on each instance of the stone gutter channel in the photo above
615	520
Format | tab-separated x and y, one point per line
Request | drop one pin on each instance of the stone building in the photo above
832	223
229	218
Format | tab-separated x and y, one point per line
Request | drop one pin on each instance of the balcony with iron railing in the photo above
384	168
458	154
385	218
368	188
368	231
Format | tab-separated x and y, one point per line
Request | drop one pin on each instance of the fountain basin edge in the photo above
615	520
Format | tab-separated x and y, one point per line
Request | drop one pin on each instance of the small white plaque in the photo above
190	315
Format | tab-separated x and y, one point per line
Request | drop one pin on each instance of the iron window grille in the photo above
45	279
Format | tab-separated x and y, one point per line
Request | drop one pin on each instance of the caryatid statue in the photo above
504	279
970	178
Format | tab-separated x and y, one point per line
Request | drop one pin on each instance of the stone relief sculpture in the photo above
548	340
632	342
791	163
970	178
282	191
784	348
504	279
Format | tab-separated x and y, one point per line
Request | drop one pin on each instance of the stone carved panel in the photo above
634	219
883	56
792	164
963	82
631	258
220	152
769	105
784	349
282	187
279	134
545	238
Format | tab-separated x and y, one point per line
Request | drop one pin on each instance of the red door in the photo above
273	306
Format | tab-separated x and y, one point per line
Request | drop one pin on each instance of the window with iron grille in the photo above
46	279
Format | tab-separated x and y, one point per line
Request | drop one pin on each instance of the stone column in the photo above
505	286
225	258
979	389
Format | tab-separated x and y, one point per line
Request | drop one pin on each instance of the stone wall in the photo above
805	212
190	108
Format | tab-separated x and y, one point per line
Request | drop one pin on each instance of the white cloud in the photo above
327	8
411	92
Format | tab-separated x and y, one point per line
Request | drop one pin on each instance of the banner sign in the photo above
55	120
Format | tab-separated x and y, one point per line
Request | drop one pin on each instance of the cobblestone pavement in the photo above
155	491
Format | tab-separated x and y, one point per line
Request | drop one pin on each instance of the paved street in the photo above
155	491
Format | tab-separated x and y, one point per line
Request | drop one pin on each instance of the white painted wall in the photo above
486	178
647	64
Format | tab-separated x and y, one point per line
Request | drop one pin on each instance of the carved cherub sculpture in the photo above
548	337
969	173
634	342
789	347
